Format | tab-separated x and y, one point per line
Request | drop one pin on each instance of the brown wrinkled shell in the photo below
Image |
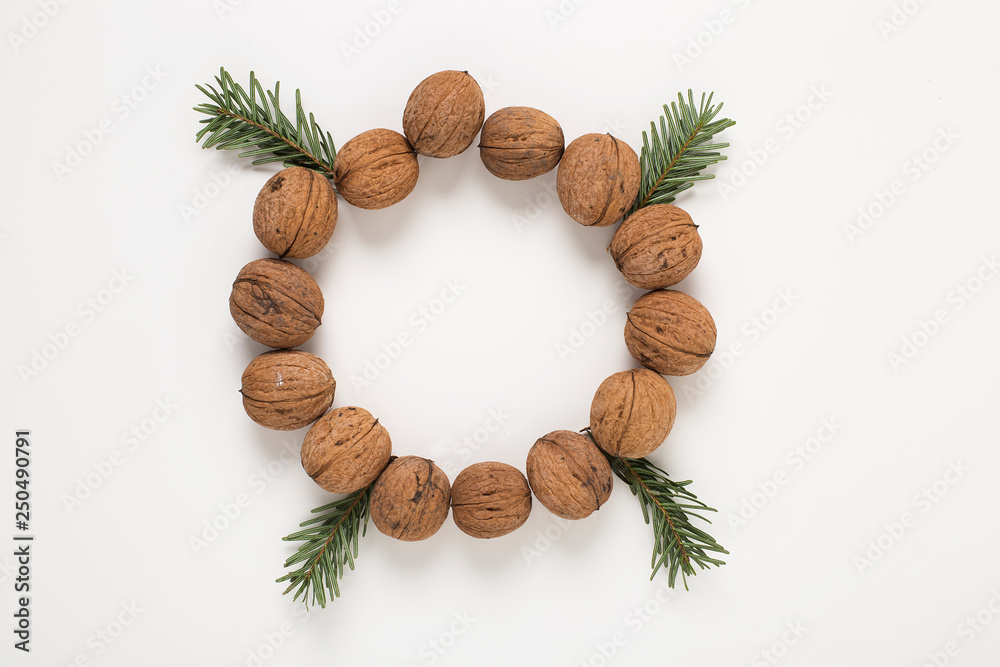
444	114
519	143
657	246
490	499
670	332
410	499
346	450
375	169
287	389
632	413
598	179
295	213
276	303
569	474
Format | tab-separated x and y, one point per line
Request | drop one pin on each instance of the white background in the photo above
835	104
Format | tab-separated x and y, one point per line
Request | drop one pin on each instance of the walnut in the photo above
276	303
410	499
632	413
375	169
657	246
490	499
295	213
598	179
569	474
287	389
346	450
670	332
519	143
444	114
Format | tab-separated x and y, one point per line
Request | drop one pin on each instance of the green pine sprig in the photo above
329	543
682	147
238	120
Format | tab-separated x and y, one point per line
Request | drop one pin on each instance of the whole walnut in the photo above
287	389
598	179
490	499
276	303
519	143
569	474
657	246
670	332
444	114
632	413
295	213
375	169
346	450
410	499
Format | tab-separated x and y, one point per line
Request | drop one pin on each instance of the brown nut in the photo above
670	332
410	499
375	169
632	413
295	213
444	114
287	389
598	179
490	499
519	143
657	246
276	303
569	474
346	450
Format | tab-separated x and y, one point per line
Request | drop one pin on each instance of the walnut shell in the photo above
490	499
657	246
346	450
444	114
670	332
598	179
287	389
410	499
375	169
519	143
569	474
295	213
632	413
276	303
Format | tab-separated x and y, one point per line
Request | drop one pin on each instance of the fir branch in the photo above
680	150
669	505
238	120
330	541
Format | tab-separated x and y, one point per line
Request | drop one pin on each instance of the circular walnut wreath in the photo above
600	181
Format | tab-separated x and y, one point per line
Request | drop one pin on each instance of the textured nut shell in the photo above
410	499
444	114
670	332
519	143
346	450
598	179
375	169
657	246
276	303
569	474
490	499
295	213
287	389
632	413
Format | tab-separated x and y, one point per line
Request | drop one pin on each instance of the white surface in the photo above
167	336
